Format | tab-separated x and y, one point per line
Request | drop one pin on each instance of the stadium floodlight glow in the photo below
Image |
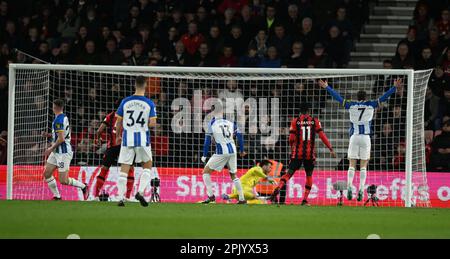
397	163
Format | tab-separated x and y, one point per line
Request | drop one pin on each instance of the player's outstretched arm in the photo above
331	91
324	137
206	145
385	97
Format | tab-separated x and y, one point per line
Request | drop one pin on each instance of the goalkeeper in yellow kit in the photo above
249	180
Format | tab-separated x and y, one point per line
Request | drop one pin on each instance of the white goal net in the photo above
262	102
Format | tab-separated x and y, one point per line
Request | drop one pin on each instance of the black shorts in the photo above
296	164
111	156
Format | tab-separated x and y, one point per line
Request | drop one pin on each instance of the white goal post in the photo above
398	143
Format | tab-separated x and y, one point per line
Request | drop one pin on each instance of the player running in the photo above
60	153
112	153
223	132
249	180
361	115
302	139
135	115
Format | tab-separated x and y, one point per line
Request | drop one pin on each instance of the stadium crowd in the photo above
223	33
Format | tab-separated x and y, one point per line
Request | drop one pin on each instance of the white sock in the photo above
122	185
145	180
362	178
350	175
238	185
208	184
76	183
53	186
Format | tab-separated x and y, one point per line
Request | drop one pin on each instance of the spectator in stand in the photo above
192	39
237	41
269	20
272	60
44	52
440	156
236	5
319	59
403	58
80	42
431	116
435	44
248	23
308	36
439	81
422	20
446	62
413	43
168	43
112	56
138	56
443	24
281	41
298	58
228	21
203	58
179	57
425	61
445	104
145	38
336	47
251	59
68	25
215	40
89	56
293	21
260	43
228	59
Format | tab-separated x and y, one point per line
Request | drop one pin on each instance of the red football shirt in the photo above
110	122
303	135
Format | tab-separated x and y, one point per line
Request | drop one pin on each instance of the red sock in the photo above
101	178
130	182
284	179
308	186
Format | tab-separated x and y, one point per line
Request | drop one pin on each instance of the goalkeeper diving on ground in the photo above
249	181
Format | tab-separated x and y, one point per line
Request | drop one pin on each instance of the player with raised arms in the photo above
302	137
223	132
361	116
136	114
112	152
249	180
60	153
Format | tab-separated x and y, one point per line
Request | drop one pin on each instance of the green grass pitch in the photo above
46	219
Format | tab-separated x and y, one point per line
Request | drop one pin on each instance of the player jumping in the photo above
361	115
60	153
249	180
111	154
302	138
223	132
134	117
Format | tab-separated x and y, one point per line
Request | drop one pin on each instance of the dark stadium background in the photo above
234	33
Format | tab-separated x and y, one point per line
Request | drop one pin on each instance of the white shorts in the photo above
62	161
127	155
218	162
359	147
